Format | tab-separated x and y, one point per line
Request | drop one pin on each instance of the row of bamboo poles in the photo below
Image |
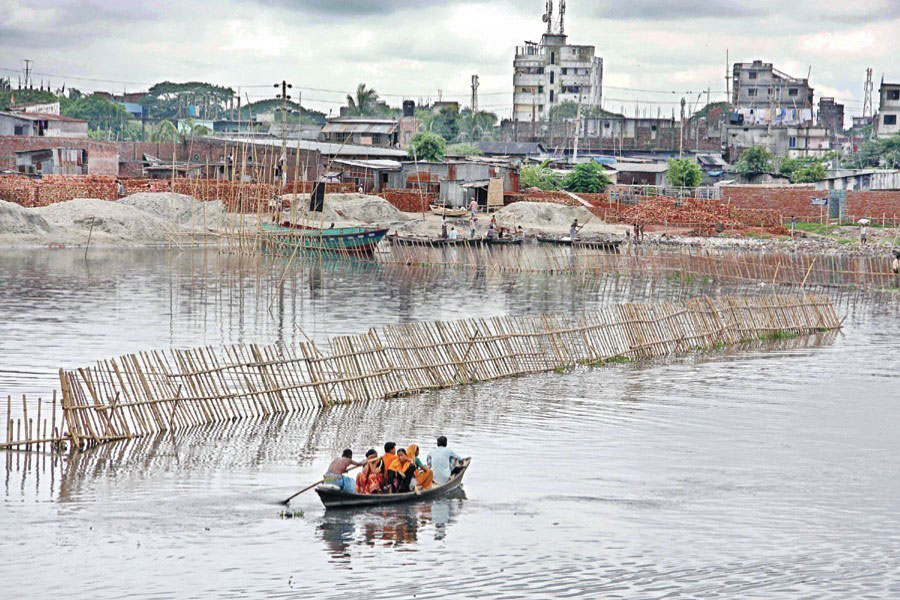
139	394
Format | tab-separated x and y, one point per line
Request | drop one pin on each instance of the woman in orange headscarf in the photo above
400	473
424	475
370	480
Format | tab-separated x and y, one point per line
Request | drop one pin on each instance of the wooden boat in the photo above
567	241
415	241
445	211
333	497
342	240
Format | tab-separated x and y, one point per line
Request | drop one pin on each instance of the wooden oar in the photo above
309	487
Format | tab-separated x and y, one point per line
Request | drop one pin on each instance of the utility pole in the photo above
28	63
681	131
474	94
285	86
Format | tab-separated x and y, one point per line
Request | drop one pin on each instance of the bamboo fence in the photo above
139	394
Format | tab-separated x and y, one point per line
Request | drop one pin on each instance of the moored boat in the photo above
333	497
342	240
446	211
567	241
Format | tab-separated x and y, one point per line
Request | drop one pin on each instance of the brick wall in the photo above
103	157
795	200
410	200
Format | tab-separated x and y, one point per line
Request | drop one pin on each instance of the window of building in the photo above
653	128
540	89
606	124
890	119
553	58
565	70
793	91
552	73
19	130
551	96
541	107
752	75
751	92
893	94
540	70
792	142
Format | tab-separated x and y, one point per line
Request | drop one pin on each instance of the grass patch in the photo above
759	236
817	228
614	360
775	336
564	369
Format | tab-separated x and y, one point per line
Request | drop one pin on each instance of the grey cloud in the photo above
667	10
354	8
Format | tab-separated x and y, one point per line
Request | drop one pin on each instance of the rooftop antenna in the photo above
28	63
867	103
474	94
562	16
548	16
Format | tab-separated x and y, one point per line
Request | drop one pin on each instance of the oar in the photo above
309	487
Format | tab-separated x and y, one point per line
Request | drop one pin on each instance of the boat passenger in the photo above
444	228
401	473
490	232
335	474
388	458
371	479
424	475
454	234
443	461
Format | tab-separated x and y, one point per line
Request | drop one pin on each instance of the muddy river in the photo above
770	472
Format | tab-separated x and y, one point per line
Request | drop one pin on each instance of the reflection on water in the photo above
388	526
766	471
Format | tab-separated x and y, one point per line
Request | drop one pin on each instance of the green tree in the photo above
168	100
102	114
809	173
427	146
446	124
464	149
365	103
683	172
539	176
477	126
586	178
165	131
568	110
754	161
876	153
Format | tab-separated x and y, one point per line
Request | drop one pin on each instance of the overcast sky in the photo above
405	48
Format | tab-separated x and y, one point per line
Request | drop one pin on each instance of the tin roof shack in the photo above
370	175
361	131
641	173
861	179
52	161
428	175
519	150
42	125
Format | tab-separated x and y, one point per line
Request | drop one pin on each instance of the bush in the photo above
427	146
809	173
539	176
464	150
683	172
586	178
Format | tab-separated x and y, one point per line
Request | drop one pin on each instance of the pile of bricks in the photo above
413	201
703	217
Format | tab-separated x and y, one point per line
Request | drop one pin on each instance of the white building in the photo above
554	71
887	121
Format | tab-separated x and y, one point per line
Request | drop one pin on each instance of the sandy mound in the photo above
110	220
350	208
17	220
178	208
543	214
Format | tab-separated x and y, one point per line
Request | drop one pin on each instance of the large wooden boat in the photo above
431	242
342	240
587	243
333	497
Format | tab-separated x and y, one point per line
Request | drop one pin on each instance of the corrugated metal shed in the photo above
383	127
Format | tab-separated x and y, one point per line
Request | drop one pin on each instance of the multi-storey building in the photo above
887	121
831	115
759	85
554	71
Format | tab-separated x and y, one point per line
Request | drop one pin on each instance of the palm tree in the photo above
165	131
365	103
479	125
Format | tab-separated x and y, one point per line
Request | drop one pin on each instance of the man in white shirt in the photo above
453	234
442	461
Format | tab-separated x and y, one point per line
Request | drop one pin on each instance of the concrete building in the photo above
760	85
831	115
96	158
41	125
361	131
793	141
887	120
554	71
52	161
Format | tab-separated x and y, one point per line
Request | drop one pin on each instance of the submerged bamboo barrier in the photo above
143	393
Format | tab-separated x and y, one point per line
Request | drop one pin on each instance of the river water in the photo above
769	472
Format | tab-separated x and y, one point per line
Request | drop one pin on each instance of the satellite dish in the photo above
545	18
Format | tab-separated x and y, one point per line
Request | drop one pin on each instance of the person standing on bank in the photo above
444	228
443	461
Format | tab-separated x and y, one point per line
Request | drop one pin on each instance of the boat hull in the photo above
598	244
332	497
341	240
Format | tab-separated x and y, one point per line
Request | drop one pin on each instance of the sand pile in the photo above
16	220
179	209
543	215
111	221
349	209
